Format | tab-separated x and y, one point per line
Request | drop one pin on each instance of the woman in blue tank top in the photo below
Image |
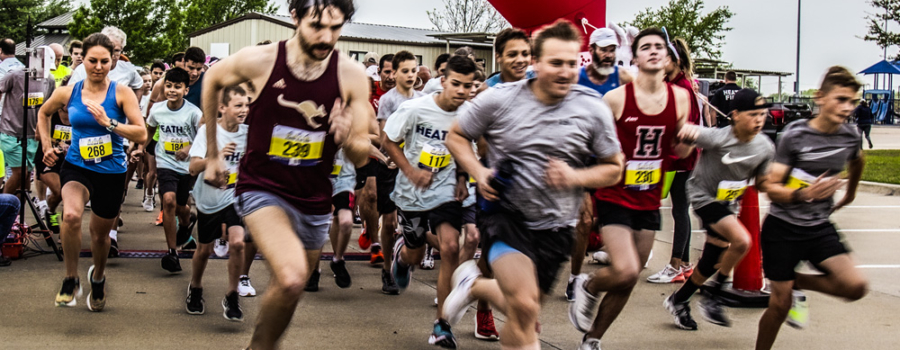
101	113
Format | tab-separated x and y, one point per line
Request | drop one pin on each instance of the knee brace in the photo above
708	260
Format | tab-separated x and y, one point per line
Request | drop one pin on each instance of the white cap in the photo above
604	37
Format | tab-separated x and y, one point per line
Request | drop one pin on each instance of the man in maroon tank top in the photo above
309	101
649	113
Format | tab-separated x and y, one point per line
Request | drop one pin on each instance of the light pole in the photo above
797	74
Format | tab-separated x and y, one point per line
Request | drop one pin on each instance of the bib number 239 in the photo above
95	149
296	147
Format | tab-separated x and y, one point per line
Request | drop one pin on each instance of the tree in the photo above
13	13
684	18
878	32
467	16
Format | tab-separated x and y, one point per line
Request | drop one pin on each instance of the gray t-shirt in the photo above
12	86
343	175
519	127
390	102
727	166
125	74
809	153
210	200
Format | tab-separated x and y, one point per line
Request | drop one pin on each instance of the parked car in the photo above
781	114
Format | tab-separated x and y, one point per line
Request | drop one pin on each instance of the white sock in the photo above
335	259
113	234
572	277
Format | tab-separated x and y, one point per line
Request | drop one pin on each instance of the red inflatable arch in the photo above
531	15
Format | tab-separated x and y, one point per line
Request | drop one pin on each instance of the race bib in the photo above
96	149
730	191
434	159
232	179
799	180
62	133
34	99
173	145
296	147
338	165
643	175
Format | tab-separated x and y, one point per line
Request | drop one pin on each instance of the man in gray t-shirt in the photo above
12	86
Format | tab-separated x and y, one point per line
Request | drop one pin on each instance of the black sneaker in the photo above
52	220
682	313
170	262
232	307
388	286
194	304
113	248
139	185
184	232
4	261
570	291
341	275
312	285
190	245
96	299
713	312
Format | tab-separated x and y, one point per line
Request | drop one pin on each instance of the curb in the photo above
879	188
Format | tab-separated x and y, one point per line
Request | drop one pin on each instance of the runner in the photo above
529	231
122	72
214	205
177	121
648	114
98	129
434	84
732	158
76	53
864	121
429	194
61	135
721	99
810	157
61	70
157	71
289	219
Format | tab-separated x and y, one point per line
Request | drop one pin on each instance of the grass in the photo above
882	166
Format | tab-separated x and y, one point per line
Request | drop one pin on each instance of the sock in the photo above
572	277
685	292
335	259
113	234
720	280
173	252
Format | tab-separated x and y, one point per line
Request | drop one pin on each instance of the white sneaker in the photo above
428	261
668	274
221	248
244	287
589	344
600	257
457	302
798	316
584	308
88	205
147	203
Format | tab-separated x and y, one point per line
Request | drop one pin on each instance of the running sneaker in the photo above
442	336
4	261
71	289
147	203
428	262
570	291
53	222
388	286
584	308
113	248
312	284
341	275
682	313
687	271
399	272
139	185
232	308
377	256
96	299
460	297
194	303
170	262
589	343
87	205
484	326
245	289
668	274
712	311
798	316
184	232
190	245
600	257
364	241
221	247
159	219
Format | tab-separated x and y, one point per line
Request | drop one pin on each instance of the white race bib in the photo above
730	191
296	147
434	159
96	149
799	180
643	175
62	133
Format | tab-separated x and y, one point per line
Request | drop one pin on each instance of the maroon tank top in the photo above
688	163
647	145
289	151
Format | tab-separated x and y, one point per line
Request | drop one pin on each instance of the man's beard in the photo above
604	70
310	49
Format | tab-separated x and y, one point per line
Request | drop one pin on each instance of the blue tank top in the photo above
195	92
611	83
93	147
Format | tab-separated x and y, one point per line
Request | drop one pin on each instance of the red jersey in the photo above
289	150
377	92
688	163
647	145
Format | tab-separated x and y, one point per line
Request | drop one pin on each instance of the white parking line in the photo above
847	207
878	266
849	230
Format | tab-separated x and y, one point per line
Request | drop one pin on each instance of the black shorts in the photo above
40	168
151	148
110	188
613	214
414	224
385	179
711	214
548	249
468	214
343	201
781	256
171	181
209	226
363	173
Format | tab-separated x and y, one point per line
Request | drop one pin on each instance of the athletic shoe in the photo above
245	289
460	297
798	316
147	203
71	289
584	308
600	257
364	241
668	274
190	245
312	284
159	219
589	343
484	326
113	248
87	205
356	219
712	311
341	275
442	336
139	185
570	291
682	313
170	262
388	286
220	248
194	303
232	307
401	274
184	232
428	262
96	299
377	256
4	261
687	271
53	222
119	222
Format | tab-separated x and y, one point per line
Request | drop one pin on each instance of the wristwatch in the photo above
112	125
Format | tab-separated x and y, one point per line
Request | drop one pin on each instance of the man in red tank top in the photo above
649	113
310	101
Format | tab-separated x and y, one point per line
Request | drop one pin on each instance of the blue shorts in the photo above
311	229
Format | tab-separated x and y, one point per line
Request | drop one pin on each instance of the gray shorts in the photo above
311	229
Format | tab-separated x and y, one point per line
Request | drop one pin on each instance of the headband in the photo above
671	45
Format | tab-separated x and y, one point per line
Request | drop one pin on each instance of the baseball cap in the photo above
748	100
371	57
604	37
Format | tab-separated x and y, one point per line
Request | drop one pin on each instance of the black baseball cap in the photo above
748	100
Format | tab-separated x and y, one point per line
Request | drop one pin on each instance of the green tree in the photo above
467	16
888	12
685	18
14	12
143	22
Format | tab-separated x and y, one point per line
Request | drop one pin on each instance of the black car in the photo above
781	114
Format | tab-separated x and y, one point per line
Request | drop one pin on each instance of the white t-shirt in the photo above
124	74
211	200
433	85
177	130
6	66
372	72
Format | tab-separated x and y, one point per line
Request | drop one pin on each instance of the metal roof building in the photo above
57	32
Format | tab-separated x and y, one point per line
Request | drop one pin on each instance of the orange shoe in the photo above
364	241
377	256
159	219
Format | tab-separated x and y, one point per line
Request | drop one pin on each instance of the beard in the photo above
310	49
601	69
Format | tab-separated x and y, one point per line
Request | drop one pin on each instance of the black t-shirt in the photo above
721	99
